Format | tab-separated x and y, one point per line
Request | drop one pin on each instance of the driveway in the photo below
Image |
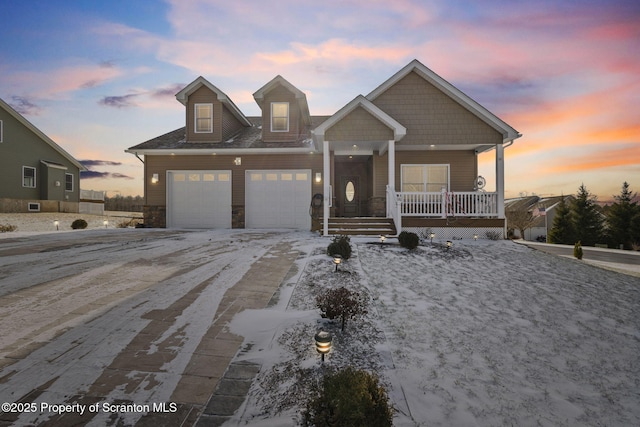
99	327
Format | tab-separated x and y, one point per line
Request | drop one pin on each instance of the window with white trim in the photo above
425	178
68	182
203	118
279	117
28	177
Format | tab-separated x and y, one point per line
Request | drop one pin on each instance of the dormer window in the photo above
204	118
279	117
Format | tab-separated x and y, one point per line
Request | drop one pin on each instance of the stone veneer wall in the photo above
155	216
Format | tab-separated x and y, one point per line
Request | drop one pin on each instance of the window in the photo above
28	177
68	182
279	117
425	178
204	118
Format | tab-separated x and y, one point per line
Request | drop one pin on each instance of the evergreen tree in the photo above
587	219
562	231
621	217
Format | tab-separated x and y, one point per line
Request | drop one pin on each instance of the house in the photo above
541	212
402	157
36	174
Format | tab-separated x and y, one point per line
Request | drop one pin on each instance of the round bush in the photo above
349	398
79	224
408	240
341	245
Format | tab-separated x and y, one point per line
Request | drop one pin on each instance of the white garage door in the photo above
278	199
199	199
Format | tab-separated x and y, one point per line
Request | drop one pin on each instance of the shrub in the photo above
133	222
577	250
79	224
340	245
7	228
493	235
408	240
348	398
341	303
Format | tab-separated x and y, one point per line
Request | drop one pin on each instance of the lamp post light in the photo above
337	259
57	224
323	343
449	244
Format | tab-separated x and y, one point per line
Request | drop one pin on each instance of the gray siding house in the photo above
36	174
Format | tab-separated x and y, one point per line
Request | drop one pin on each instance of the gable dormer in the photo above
211	117
285	112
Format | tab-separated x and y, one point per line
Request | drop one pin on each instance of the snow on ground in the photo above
486	333
43	222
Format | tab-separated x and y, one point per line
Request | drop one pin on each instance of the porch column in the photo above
392	164
326	173
500	179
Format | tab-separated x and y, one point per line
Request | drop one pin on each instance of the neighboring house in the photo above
36	174
405	155
542	211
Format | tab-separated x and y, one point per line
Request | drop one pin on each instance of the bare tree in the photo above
520	219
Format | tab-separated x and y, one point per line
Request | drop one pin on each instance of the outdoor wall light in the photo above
318	177
431	236
105	222
154	178
337	259
57	224
449	244
237	161
323	343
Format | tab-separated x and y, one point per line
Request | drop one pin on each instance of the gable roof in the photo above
508	133
40	134
281	81
183	96
399	131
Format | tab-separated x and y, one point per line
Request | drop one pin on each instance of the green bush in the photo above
577	250
7	228
408	240
348	398
340	245
79	224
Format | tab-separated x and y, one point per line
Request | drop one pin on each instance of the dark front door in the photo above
350	186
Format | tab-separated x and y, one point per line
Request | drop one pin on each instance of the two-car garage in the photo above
272	199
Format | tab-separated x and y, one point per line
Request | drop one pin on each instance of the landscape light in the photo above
382	239
475	237
105	222
449	244
432	235
337	259
323	343
56	223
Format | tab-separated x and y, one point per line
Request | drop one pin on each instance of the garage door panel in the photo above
199	199
278	199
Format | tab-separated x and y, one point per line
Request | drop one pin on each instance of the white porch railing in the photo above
394	208
446	204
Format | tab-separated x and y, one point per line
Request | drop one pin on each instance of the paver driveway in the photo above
104	326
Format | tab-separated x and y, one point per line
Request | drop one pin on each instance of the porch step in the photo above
367	226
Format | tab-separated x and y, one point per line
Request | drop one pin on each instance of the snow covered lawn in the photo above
486	333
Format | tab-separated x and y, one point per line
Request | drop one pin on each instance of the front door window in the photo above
350	191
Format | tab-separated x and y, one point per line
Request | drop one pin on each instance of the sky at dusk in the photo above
99	77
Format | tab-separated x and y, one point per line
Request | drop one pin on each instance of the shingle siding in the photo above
432	117
359	125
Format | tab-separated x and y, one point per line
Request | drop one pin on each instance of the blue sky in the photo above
99	77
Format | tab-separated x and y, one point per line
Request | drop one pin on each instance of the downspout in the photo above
136	154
